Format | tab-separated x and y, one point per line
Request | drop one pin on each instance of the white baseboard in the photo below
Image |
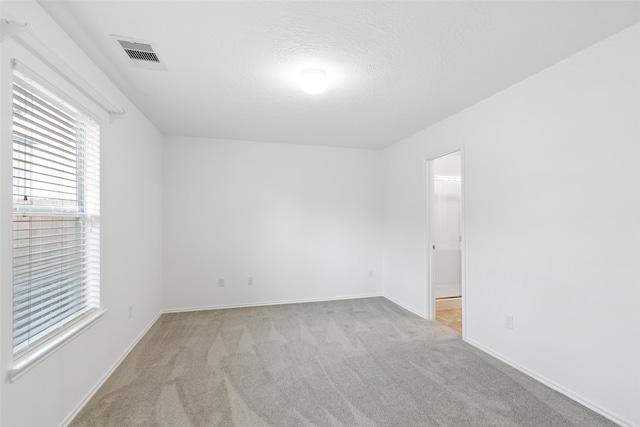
551	384
422	315
104	378
259	304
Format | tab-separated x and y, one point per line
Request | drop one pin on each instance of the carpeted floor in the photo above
363	362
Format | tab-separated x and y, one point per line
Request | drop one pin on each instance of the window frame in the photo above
89	218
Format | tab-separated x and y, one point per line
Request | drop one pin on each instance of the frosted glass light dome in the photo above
313	81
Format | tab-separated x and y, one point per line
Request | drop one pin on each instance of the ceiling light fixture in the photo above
313	81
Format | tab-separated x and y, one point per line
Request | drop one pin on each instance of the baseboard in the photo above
259	304
422	315
104	378
551	384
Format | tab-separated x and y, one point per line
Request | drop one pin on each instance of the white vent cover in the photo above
140	53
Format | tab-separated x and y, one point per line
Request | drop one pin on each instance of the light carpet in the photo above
361	362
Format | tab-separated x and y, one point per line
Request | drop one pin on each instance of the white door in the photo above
447	192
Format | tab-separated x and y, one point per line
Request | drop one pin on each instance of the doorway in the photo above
446	239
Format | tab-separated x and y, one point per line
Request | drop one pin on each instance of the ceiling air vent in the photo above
140	53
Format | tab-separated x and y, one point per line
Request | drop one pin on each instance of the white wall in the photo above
303	221
131	235
552	223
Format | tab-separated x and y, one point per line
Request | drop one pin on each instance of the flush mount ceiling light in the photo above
313	81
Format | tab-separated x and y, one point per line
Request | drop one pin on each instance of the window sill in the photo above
28	361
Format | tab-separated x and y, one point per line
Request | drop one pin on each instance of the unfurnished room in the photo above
319	213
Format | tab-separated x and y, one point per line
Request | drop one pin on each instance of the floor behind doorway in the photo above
449	313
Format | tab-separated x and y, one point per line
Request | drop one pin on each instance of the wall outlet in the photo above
250	281
130	312
508	321
221	282
370	274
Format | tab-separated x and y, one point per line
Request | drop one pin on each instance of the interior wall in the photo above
131	237
552	201
303	221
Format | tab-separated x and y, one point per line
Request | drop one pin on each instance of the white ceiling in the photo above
395	67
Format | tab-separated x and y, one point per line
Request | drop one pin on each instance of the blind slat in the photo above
51	320
33	298
37	107
23	83
46	273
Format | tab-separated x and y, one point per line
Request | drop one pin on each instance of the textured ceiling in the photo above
395	67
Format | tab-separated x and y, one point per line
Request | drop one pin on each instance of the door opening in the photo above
446	239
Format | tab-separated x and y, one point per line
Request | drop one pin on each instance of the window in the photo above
56	215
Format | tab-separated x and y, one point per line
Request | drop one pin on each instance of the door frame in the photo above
430	261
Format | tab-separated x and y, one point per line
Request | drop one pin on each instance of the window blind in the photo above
56	214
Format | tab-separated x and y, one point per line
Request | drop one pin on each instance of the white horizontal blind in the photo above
56	214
